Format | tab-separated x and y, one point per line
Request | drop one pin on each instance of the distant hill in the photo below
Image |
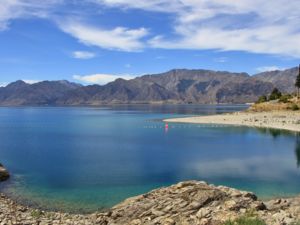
175	86
283	80
42	93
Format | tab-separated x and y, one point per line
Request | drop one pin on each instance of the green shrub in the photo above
285	98
294	107
245	220
36	214
295	223
262	99
275	94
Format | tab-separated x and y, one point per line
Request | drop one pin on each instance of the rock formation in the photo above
186	203
4	175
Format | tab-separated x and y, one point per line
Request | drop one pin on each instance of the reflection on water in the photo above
297	149
188	109
275	133
84	159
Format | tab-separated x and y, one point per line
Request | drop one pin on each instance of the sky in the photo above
97	41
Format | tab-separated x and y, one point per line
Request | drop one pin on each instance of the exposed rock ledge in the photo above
4	175
191	202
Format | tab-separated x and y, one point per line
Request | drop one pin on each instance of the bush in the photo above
262	99
275	94
295	223
285	98
294	107
245	221
36	214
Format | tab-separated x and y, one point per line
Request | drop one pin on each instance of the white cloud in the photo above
268	68
256	26
246	167
101	78
83	55
221	59
31	81
153	5
13	9
3	84
119	38
272	40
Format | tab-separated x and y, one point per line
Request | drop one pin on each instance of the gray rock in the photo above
4	175
190	203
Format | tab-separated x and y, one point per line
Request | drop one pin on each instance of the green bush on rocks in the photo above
285	98
245	220
262	99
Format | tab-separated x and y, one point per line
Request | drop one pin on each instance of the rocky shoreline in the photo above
284	120
4	175
191	202
185	203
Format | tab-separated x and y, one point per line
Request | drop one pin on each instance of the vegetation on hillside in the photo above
245	220
274	95
297	83
279	101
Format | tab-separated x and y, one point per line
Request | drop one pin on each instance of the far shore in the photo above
284	120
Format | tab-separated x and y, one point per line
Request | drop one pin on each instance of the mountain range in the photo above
175	86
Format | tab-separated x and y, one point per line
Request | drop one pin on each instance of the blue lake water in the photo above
84	159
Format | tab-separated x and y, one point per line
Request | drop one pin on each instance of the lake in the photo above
85	159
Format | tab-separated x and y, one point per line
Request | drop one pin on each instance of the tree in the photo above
297	84
262	99
275	94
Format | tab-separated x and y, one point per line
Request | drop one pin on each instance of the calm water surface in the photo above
84	159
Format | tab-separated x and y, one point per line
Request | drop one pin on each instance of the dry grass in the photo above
275	106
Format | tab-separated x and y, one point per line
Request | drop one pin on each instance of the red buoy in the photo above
166	127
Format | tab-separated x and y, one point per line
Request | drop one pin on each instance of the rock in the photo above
259	206
186	203
4	175
168	221
136	222
204	212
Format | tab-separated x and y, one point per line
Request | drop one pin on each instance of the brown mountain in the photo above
283	80
42	93
175	86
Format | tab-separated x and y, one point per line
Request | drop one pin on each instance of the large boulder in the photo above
192	202
4	175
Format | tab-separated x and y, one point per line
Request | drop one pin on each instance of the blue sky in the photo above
96	41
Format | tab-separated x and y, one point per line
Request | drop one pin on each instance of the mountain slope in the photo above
42	93
175	86
283	80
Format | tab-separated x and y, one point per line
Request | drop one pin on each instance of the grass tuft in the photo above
36	214
245	220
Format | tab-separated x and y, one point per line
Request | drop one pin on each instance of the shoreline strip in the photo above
283	120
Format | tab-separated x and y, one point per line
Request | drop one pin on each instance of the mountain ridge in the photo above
174	86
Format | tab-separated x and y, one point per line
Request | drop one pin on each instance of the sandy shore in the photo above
286	120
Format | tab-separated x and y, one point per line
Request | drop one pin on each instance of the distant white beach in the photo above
285	120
